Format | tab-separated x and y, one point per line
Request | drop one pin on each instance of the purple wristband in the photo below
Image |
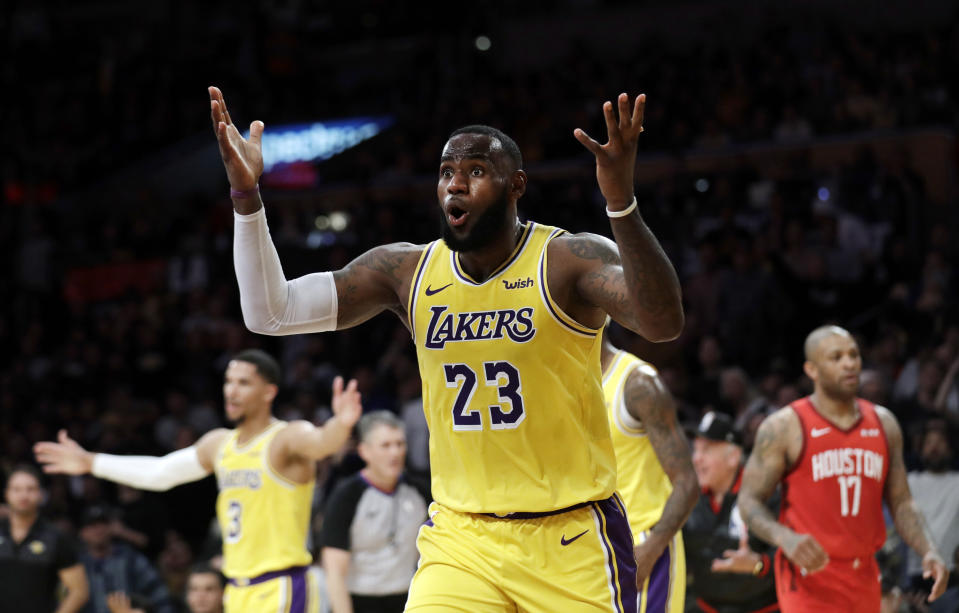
238	195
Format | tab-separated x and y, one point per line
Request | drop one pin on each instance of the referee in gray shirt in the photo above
371	522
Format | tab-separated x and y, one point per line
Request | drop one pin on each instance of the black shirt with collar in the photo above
30	569
711	530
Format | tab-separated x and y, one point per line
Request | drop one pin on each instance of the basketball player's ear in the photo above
518	184
271	391
810	369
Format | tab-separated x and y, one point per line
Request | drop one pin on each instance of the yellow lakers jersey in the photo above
263	517
641	480
511	386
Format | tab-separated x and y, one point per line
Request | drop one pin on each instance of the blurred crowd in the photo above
118	317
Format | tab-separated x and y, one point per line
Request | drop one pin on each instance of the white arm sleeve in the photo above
148	472
271	304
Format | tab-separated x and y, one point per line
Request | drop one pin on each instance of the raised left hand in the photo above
616	160
346	404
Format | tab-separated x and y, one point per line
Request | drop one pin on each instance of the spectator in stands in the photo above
34	554
117	568
936	491
728	571
204	589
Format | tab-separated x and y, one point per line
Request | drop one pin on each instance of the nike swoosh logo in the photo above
817	432
564	542
430	291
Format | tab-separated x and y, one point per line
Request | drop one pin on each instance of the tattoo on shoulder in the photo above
592	247
647	399
388	260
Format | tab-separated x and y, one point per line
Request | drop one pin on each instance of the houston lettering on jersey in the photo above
447	327
847	461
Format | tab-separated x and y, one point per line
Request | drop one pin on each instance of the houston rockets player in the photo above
506	318
838	457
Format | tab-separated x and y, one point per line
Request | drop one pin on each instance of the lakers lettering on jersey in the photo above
252	499
641	480
511	385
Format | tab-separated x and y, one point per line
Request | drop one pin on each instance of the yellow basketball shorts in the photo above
664	590
577	561
294	590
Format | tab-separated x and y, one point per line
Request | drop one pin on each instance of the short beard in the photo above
937	464
236	423
837	392
488	227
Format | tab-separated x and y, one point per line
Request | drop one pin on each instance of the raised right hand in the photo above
805	552
243	159
64	457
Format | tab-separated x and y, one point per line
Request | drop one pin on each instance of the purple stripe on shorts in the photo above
428	522
657	595
621	538
299	595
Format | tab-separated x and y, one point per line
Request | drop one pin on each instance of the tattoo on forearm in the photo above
911	526
648	400
763	471
653	277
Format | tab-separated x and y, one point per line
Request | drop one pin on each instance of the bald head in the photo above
816	337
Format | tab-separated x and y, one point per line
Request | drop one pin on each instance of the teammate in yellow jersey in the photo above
265	470
506	319
655	475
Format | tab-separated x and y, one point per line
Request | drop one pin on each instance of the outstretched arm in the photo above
649	402
301	439
906	515
636	284
764	470
193	463
317	302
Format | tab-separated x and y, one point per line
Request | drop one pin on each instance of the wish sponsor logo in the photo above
518	283
446	327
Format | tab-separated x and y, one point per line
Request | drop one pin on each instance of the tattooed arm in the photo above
318	302
376	281
777	446
649	402
636	283
633	281
906	515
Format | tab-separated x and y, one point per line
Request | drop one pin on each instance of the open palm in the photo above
347	401
242	158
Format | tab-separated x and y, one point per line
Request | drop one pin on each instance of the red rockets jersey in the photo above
835	490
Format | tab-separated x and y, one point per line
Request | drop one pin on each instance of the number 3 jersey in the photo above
511	386
835	490
263	517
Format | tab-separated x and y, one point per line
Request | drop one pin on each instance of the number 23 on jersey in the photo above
506	415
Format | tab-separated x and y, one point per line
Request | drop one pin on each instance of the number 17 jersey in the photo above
835	490
511	386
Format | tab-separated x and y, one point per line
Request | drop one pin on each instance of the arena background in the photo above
799	166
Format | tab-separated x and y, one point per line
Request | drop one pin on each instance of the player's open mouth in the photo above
456	215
